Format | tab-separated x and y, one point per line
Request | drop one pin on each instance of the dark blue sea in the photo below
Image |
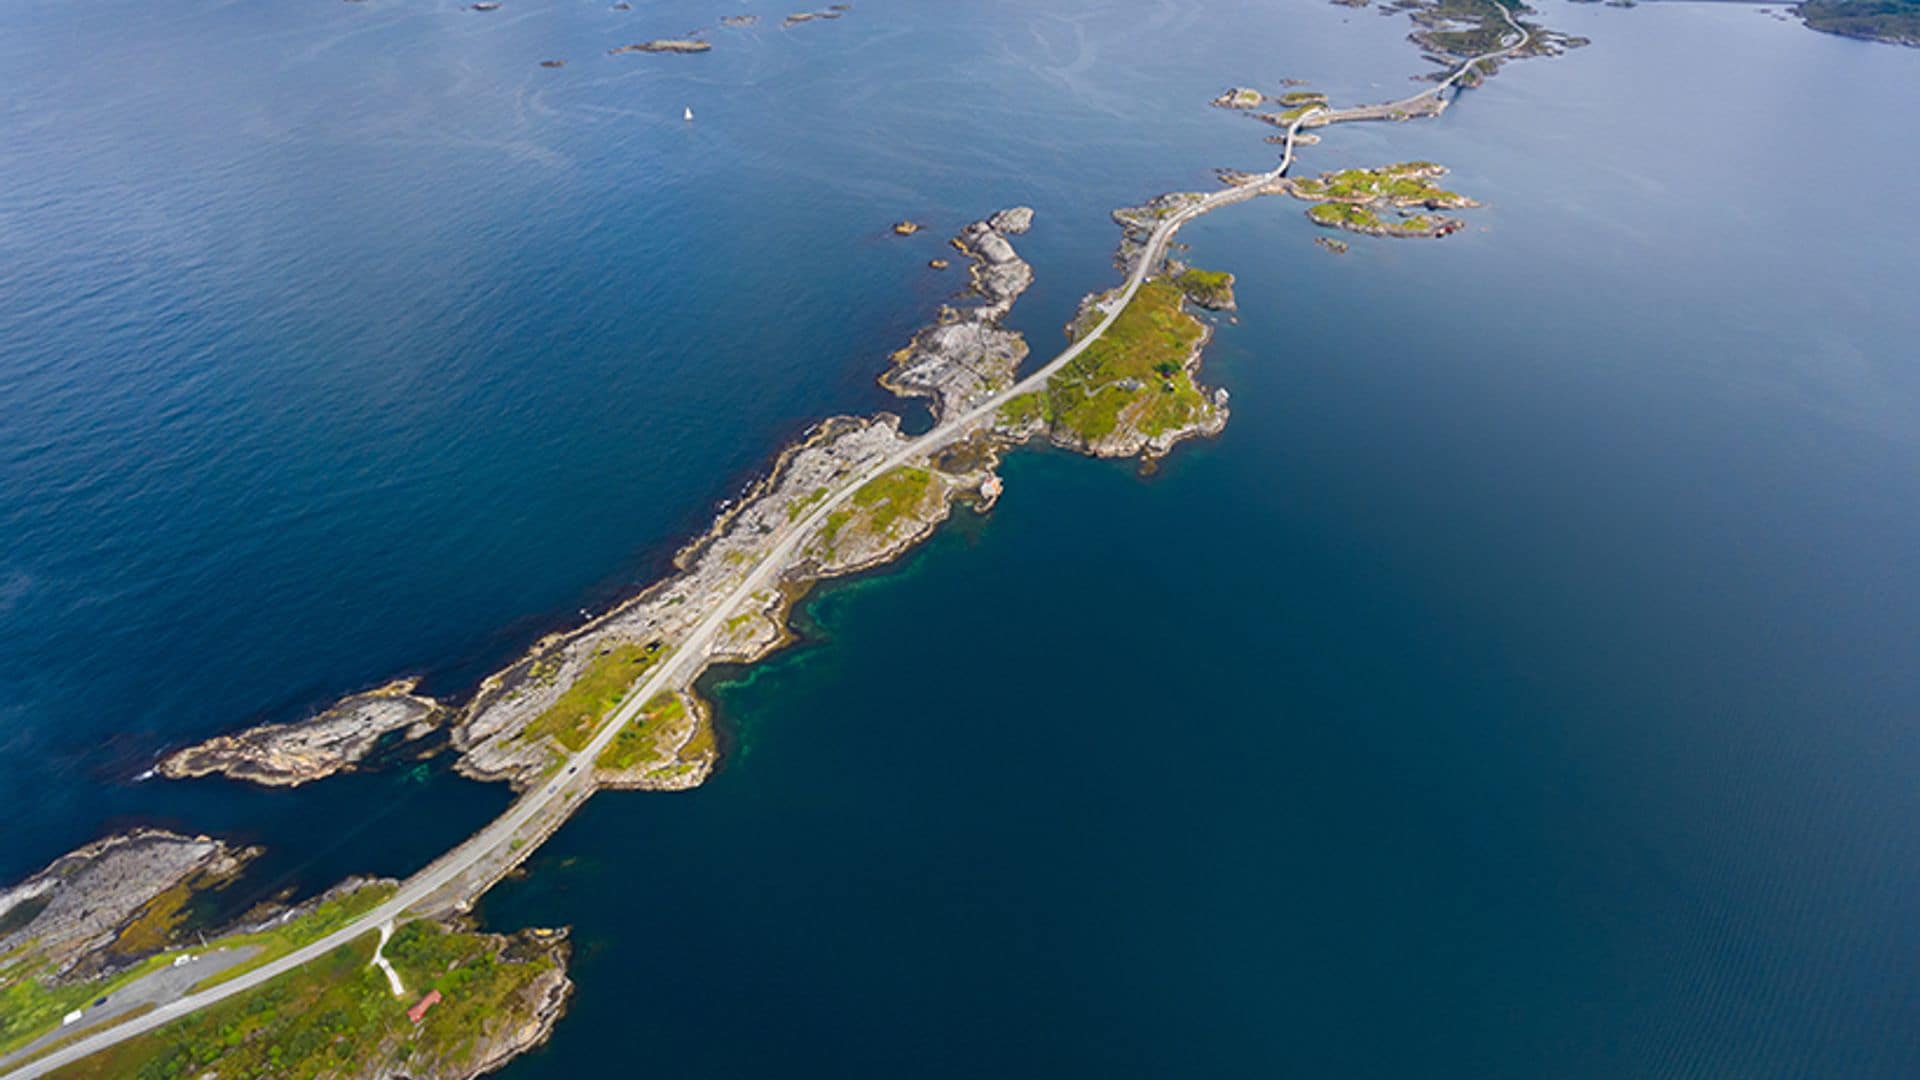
1526	684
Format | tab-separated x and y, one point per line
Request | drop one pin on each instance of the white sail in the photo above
689	112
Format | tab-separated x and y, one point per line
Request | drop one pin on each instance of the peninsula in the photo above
293	754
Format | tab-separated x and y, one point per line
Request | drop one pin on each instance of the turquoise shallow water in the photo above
1521	686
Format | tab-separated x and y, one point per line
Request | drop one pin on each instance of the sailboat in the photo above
688	115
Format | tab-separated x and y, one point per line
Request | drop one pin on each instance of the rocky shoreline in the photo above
109	903
662	45
291	754
1350	199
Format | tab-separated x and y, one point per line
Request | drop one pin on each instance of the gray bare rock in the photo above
73	910
287	755
968	355
1013	221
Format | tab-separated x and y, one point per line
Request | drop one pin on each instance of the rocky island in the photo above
662	45
833	11
293	754
1239	97
1351	199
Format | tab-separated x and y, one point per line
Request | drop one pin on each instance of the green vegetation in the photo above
1362	219
647	739
1208	288
30	1005
154	926
1137	370
1894	21
1404	184
806	502
1024	410
1473	26
668	740
544	669
573	719
700	744
1240	97
1303	97
336	1017
324	919
1089	316
880	503
1286	117
1345	215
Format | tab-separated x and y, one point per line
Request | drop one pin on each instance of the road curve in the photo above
683	663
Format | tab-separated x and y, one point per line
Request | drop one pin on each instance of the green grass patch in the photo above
1209	288
804	503
337	1017
1344	215
880	503
1409	182
1024	410
278	941
31	1006
1351	216
893	493
584	705
1126	370
641	742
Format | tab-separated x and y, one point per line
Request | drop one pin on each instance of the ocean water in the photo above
1522	685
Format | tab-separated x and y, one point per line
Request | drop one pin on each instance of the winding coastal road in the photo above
540	809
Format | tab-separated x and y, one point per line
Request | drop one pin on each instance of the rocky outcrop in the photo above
662	45
1239	97
1138	222
832	12
113	900
967	355
287	755
1013	221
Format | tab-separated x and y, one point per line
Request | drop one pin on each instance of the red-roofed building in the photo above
419	1010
